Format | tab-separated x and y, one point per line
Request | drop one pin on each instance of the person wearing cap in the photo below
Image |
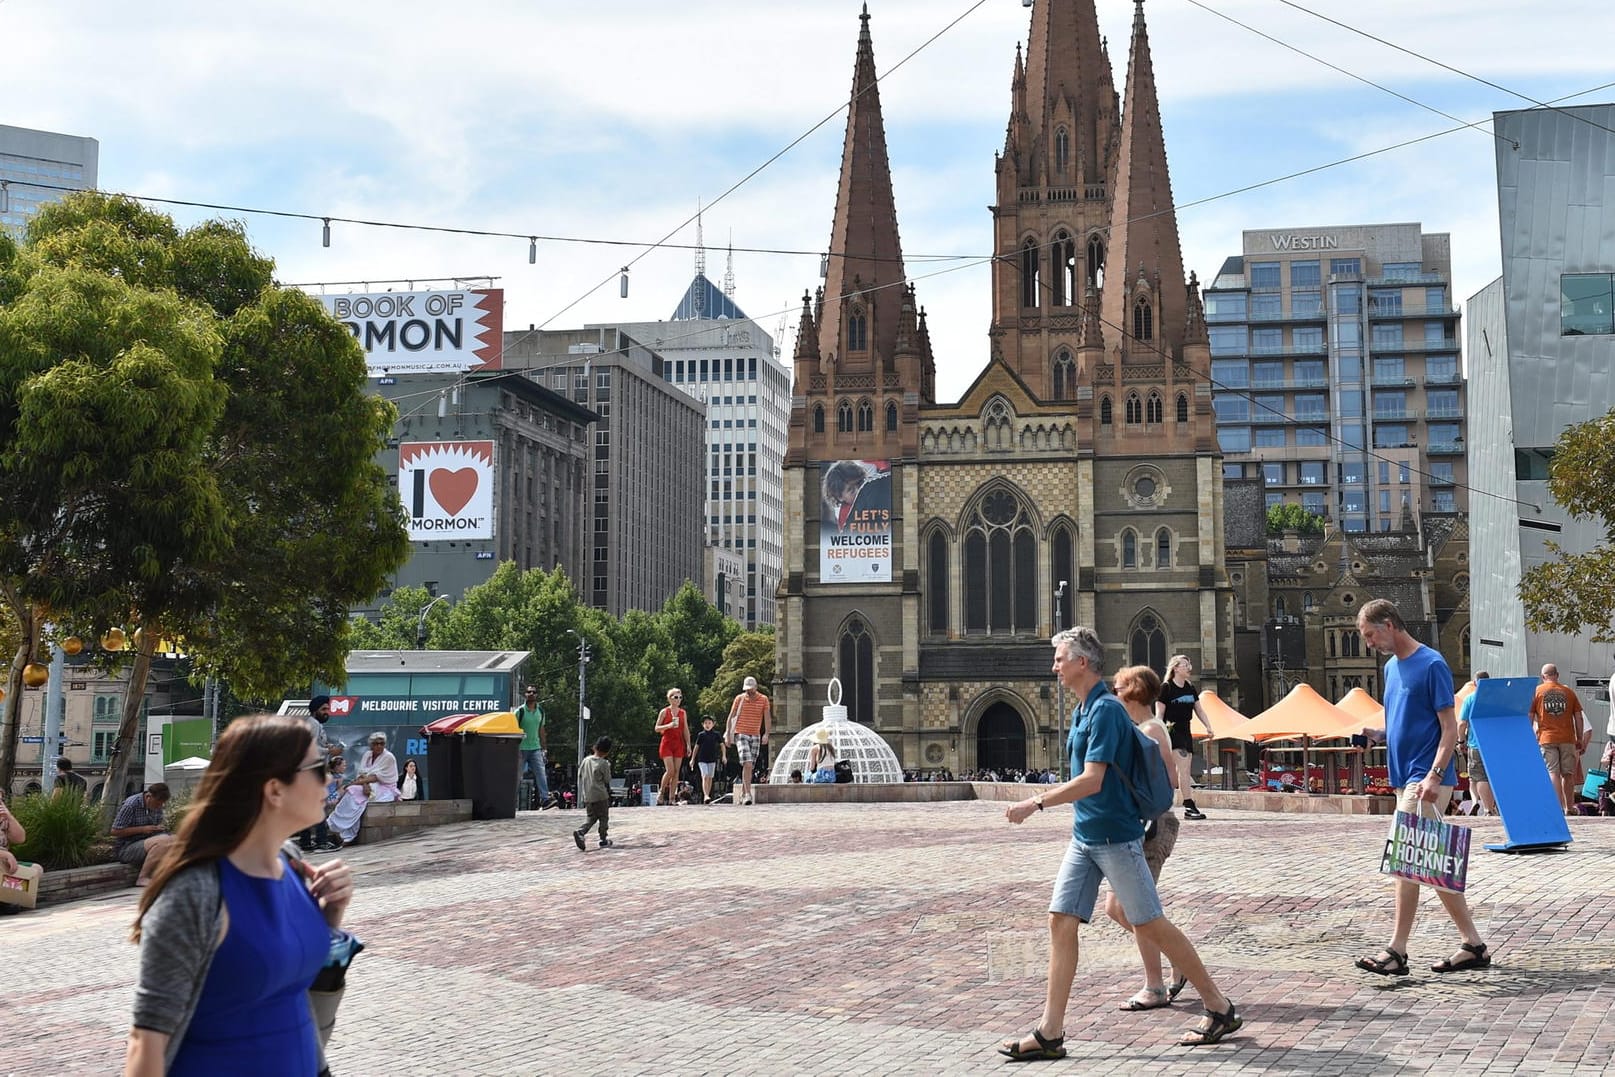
749	719
375	779
822	758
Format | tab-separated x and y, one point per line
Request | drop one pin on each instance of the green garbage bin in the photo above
491	763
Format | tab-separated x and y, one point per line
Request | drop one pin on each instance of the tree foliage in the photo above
185	448
634	659
1289	516
1577	590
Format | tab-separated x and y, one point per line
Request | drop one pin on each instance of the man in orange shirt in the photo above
749	719
1561	732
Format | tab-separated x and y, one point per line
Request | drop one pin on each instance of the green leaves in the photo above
1577	590
1292	517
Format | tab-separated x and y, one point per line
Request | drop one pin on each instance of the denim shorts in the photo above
1121	865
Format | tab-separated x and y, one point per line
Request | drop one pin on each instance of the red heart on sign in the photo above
453	489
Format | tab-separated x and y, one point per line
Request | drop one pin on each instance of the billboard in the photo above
447	489
425	332
855	521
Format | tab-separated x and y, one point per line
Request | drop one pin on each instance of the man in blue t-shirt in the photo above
1107	842
1421	735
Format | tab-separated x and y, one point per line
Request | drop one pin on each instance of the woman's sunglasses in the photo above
320	766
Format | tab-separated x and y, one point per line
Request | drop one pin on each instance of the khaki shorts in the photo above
1160	846
1560	758
1408	799
1477	765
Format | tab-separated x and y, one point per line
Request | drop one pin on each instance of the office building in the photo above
717	355
1334	353
645	489
1541	346
37	167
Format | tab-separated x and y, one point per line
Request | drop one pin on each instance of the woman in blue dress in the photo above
232	930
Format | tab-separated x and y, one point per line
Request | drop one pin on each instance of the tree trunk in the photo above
125	753
11	710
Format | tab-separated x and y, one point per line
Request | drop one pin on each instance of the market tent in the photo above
1302	713
1223	718
1364	708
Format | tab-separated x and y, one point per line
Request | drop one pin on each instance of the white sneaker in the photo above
746	799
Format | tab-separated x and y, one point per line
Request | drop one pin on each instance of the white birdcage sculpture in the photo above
872	758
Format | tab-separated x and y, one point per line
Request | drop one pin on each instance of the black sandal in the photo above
1175	988
1480	959
1216	1026
1393	963
1047	1050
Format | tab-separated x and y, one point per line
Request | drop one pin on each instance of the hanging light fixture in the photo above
824	264
113	639
5	196
325	237
72	645
532	250
622	285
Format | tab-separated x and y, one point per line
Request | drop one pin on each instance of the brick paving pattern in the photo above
882	939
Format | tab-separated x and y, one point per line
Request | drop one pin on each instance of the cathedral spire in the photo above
1069	89
862	299
1144	297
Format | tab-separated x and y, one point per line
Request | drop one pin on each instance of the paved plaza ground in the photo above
881	939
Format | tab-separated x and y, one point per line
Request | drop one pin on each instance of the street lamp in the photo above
583	710
1059	688
420	625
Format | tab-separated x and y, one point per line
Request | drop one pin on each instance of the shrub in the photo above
179	805
62	830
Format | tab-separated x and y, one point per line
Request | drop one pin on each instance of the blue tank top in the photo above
253	1016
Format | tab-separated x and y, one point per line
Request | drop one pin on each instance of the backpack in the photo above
843	771
1144	774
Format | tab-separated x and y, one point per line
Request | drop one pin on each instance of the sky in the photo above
617	120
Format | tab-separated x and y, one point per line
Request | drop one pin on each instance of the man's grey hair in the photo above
1081	641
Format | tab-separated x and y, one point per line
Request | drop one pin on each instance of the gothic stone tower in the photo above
1085	450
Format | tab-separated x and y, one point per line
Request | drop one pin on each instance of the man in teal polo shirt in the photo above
1107	842
531	717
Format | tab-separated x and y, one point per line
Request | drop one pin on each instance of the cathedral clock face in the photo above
999	508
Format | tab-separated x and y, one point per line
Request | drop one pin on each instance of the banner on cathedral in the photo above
855	521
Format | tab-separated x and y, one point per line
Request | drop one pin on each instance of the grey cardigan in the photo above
178	938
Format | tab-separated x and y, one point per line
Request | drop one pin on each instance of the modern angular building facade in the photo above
35	166
1541	358
1335	353
723	359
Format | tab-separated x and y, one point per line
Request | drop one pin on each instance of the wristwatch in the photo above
1038	800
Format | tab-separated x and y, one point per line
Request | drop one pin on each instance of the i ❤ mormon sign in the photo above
447	489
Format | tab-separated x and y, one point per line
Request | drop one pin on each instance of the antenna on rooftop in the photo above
729	269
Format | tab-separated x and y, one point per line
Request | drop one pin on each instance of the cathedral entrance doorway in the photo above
1001	739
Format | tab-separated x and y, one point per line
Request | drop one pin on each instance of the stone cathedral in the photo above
926	542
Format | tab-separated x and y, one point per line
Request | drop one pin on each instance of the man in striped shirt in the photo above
749	719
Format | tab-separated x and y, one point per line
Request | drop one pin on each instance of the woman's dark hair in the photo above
230	797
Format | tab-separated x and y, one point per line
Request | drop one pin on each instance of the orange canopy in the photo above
1363	707
1223	718
1302	713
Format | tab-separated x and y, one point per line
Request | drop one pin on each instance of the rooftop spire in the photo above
1144	226
1068	83
866	256
700	245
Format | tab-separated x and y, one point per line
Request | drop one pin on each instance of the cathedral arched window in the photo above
936	583
1135	409
1129	549
844	418
1065	376
1278	606
1031	263
857	671
866	417
1146	644
1163	548
1062	149
1464	657
1183	408
1152	408
818	418
1001	569
891	417
1307	602
1063	263
1104	411
857	330
1143	321
1096	261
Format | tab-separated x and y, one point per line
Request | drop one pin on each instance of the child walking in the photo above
594	786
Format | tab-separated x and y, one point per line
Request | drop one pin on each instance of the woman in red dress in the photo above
675	731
